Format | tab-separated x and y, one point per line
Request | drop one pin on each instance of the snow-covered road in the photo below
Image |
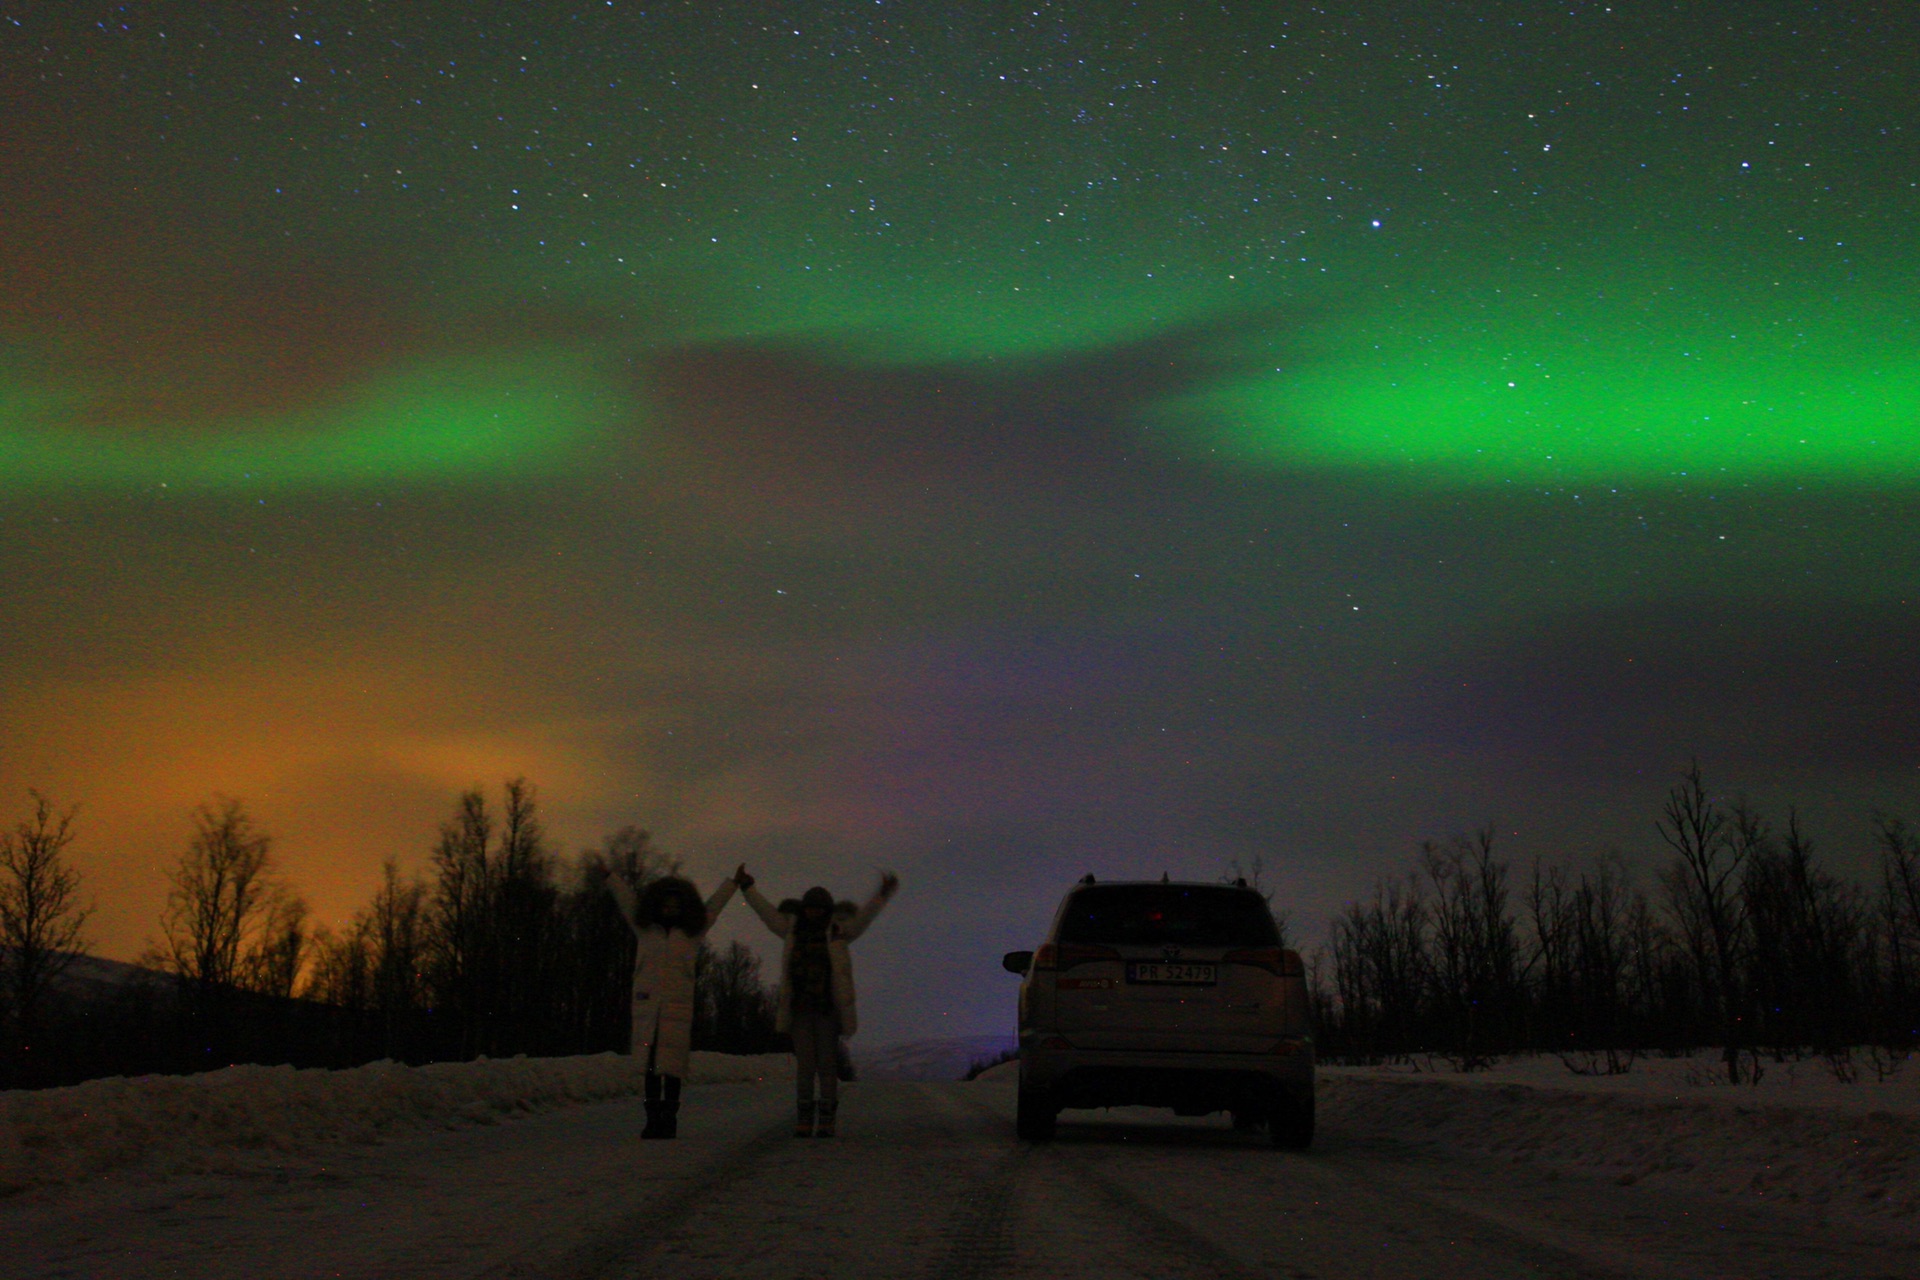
926	1181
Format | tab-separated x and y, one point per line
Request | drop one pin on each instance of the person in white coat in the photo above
668	920
817	1002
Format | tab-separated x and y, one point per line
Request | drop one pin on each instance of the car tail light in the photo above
1069	954
1065	955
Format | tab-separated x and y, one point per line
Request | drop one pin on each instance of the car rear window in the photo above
1153	915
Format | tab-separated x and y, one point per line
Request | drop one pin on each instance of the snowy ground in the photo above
231	1119
1800	1136
1430	1175
1809	1083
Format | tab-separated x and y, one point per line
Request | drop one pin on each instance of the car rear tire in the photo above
1291	1124
1034	1114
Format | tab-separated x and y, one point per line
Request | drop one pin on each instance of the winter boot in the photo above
670	1118
823	1123
803	1127
656	1120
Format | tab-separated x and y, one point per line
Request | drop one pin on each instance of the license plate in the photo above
1173	973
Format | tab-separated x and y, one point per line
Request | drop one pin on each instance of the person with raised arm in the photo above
817	1004
668	920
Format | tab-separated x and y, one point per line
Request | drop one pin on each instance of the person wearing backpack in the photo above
668	920
817	1002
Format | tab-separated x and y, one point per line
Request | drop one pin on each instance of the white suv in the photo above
1159	994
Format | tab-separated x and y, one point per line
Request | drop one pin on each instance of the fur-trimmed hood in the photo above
692	919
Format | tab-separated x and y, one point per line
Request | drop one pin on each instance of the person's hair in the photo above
693	912
817	897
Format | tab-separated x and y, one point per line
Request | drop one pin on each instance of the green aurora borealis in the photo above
1456	261
451	421
838	433
1589	390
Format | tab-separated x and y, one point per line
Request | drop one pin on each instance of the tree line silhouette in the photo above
1746	943
505	947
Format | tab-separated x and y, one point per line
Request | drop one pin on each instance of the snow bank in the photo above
215	1120
1808	1141
1700	1077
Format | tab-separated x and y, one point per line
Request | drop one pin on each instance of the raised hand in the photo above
888	883
741	878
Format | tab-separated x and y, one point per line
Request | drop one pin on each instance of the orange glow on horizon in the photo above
343	766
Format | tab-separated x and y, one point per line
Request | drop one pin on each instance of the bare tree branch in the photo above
42	920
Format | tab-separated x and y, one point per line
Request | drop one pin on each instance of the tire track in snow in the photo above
1363	1196
868	1204
992	1220
979	1234
626	1248
1187	1251
1551	1250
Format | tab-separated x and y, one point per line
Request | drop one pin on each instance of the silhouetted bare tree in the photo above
1382	971
396	929
506	950
733	1010
278	957
461	943
343	964
1897	918
1601	965
1805	929
1703	892
375	970
221	893
1476	952
1761	946
42	919
491	910
524	898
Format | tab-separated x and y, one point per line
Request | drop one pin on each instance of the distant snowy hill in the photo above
938	1059
94	976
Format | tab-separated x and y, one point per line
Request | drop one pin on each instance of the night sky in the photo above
991	441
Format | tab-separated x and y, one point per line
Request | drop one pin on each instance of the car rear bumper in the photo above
1192	1083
